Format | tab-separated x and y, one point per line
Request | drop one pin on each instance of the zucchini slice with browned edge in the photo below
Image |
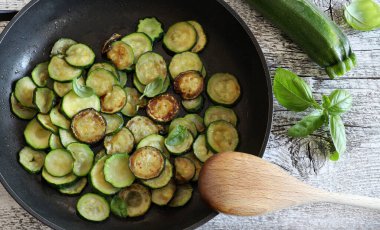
186	123
184	169
184	62
114	122
193	105
141	127
121	55
59	182
21	111
88	126
97	178
163	179
66	137
117	172
121	142
223	88
216	113
198	165
151	27
60	46
189	84
36	135
59	162
182	195
93	207
140	43
222	136
137	199
44	99
201	37
197	120
60	70
83	158
113	101
200	149
75	188
40	74
101	81
58	119
80	55
163	108
45	121
31	160
24	91
180	37
156	141
72	103
55	142
162	196
149	67
147	163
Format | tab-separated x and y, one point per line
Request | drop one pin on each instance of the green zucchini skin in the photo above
313	31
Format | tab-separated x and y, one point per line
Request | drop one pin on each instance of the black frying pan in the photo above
27	40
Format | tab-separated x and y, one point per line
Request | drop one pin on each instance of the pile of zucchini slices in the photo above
149	140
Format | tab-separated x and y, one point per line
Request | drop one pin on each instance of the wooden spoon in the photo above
246	185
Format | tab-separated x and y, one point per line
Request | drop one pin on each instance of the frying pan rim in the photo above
31	211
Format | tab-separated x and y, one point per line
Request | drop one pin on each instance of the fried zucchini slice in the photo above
121	55
141	127
180	37
24	91
88	126
113	101
184	169
163	108
137	199
183	62
147	163
201	38
149	67
216	113
222	136
121	142
181	196
162	196
223	88
189	84
198	165
101	81
163	179
134	102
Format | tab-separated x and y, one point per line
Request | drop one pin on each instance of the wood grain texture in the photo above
358	170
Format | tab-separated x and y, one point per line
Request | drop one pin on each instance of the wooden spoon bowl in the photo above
243	184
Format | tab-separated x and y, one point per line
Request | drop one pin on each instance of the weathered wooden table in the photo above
358	170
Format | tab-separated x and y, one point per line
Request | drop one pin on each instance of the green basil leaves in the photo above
154	88
177	136
294	94
363	15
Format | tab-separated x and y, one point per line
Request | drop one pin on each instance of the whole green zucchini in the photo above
313	31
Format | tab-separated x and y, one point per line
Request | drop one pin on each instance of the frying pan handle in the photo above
7	15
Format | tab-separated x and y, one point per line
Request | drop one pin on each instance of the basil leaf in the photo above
308	124
334	156
325	101
340	101
338	133
177	136
154	88
363	15
82	90
291	91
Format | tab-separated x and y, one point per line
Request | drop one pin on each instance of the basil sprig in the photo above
294	94
154	88
177	136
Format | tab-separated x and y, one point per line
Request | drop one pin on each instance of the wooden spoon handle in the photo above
360	201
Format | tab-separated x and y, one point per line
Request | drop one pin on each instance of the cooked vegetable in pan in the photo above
153	140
